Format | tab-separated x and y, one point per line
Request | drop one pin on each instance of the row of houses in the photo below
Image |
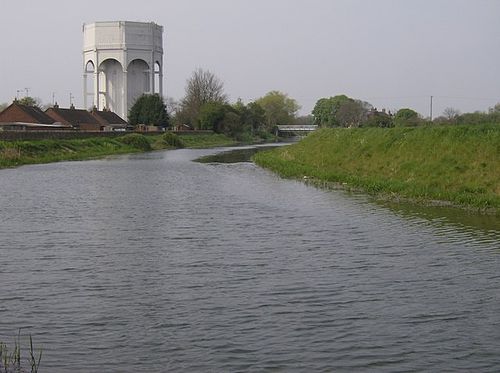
18	117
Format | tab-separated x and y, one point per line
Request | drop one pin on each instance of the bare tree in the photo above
451	113
494	109
203	87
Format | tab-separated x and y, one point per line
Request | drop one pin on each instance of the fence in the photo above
68	135
53	135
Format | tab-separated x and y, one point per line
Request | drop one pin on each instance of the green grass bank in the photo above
17	153
459	165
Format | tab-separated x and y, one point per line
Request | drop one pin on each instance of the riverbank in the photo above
17	153
454	165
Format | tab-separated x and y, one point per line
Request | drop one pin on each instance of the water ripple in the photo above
154	263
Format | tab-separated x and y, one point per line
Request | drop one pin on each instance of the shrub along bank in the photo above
459	164
16	153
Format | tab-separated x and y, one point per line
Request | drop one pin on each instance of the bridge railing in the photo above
297	128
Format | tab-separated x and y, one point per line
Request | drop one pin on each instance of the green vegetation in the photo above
30	101
458	164
206	140
136	140
278	108
149	110
202	88
10	361
172	140
406	117
205	106
16	153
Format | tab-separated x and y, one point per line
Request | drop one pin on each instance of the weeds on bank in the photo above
10	361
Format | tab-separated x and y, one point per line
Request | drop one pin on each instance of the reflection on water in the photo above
486	227
235	156
153	263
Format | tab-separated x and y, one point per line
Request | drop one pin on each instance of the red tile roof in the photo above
106	117
72	116
24	113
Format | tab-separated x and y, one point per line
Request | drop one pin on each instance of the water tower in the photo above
123	60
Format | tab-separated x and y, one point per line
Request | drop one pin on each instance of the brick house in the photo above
108	120
77	118
24	117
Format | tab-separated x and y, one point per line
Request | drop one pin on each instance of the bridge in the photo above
298	128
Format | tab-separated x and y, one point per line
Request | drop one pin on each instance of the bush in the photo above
136	140
407	118
149	110
172	139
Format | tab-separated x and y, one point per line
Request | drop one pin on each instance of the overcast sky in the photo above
391	53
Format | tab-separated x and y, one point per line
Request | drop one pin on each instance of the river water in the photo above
156	263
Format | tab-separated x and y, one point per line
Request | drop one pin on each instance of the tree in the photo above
451	114
475	118
3	106
224	118
406	117
494	113
352	113
378	119
495	109
340	110
212	115
232	125
305	120
30	101
203	87
253	116
150	110
278	109
325	110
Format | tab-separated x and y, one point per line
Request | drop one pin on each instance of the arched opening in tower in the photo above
158	77
138	80
88	82
111	85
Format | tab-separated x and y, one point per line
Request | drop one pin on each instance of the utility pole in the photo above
71	97
431	107
27	90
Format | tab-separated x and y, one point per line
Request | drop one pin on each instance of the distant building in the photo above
124	60
109	121
79	119
17	117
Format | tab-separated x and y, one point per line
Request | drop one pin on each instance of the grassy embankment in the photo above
459	165
16	153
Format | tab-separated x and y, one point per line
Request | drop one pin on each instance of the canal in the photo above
156	263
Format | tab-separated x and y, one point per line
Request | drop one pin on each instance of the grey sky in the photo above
391	53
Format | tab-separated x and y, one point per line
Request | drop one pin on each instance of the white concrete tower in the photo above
125	60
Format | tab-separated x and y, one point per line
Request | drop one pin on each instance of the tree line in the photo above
205	106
